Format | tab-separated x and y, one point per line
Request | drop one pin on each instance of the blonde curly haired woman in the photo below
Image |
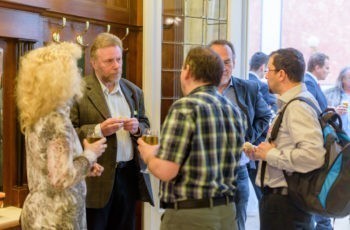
48	81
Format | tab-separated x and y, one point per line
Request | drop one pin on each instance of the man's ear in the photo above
92	62
318	68
186	71
233	63
261	68
282	75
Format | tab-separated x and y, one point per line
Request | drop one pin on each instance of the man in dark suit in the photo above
318	70
246	95
114	107
257	67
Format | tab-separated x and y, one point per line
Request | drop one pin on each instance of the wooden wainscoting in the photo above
30	24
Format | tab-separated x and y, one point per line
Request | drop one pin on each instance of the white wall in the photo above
237	33
151	81
271	25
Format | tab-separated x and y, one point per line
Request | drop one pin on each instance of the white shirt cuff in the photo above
90	155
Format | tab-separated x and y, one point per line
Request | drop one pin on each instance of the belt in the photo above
198	203
279	190
241	166
122	164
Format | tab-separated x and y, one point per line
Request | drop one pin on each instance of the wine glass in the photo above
150	136
92	136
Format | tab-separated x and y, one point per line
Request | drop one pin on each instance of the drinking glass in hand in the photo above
91	136
149	136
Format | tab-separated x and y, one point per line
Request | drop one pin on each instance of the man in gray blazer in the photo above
245	94
113	107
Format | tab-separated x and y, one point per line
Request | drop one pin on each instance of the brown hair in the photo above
205	65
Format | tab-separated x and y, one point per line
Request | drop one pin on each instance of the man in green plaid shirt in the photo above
200	145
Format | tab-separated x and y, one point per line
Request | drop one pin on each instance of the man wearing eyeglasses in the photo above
297	148
246	95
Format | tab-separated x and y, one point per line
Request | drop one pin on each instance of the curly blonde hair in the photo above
48	78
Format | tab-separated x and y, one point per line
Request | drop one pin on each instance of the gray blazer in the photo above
91	110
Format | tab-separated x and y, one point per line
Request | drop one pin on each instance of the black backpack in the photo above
324	191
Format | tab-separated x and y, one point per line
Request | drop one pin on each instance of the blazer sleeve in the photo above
268	97
311	88
140	113
315	90
77	116
261	120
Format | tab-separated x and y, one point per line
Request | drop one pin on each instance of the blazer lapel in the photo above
96	96
312	79
241	94
128	96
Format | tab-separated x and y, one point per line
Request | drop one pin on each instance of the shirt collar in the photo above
105	89
203	88
230	84
313	76
253	73
291	93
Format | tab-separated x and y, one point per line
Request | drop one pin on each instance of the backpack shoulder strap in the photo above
276	127
277	124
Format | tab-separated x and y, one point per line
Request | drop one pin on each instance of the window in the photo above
187	23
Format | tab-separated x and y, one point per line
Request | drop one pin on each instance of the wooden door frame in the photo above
15	189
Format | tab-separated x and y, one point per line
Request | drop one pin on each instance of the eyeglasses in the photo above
268	70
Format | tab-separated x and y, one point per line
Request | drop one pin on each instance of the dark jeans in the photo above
252	171
119	213
242	196
278	212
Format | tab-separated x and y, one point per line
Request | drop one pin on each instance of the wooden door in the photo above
14	173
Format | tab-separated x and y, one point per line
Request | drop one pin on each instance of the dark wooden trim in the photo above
19	194
133	44
136	10
35	20
38	7
35	3
88	9
84	9
10	161
20	24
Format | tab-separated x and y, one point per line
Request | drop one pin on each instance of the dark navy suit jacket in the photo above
264	90
315	90
251	102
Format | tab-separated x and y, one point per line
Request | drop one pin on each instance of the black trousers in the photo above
119	213
278	212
